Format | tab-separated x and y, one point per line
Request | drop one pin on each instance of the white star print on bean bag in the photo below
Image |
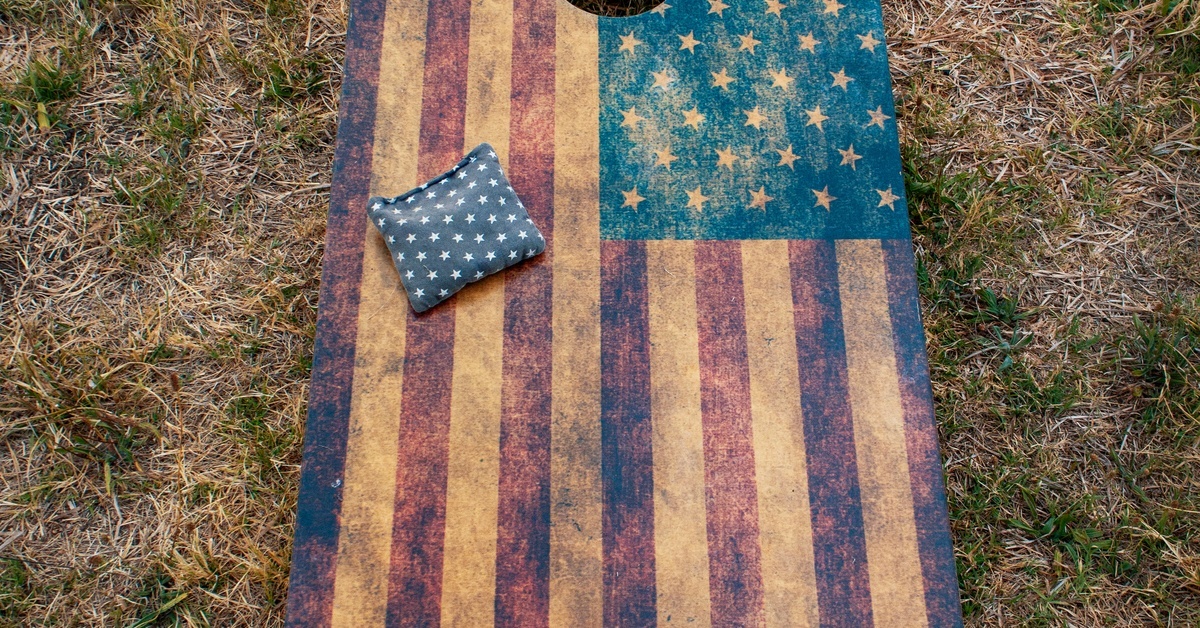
455	229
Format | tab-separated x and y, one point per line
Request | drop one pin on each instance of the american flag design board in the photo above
706	403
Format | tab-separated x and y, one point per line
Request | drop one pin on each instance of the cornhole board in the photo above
706	404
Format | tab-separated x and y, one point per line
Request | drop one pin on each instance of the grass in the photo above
164	168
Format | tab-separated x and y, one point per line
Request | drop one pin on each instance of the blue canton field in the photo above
164	171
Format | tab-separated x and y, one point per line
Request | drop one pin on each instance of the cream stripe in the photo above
897	592
489	75
784	519
365	539
576	560
680	520
472	491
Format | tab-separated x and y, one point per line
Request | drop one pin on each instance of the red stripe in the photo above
418	526
839	546
444	96
310	598
924	463
418	533
523	516
735	576
627	462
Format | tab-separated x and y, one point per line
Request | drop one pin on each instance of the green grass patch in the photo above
1165	353
15	589
266	441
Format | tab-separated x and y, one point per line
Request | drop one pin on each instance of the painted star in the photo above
754	118
781	79
661	9
868	41
849	157
824	198
722	79
444	256
748	42
664	157
832	7
759	199
409	274
776	7
787	157
661	79
693	118
468	257
631	198
491	255
631	118
816	117
809	43
840	79
886	198
726	158
443	292
419	292
629	43
433	237
716	6
433	274
877	117
688	43
696	199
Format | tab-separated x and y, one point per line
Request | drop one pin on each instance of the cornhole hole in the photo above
707	403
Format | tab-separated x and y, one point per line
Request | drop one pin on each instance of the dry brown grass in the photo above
160	245
161	219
